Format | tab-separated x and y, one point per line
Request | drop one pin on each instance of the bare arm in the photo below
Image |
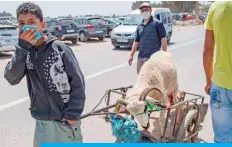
164	43
162	35
208	54
134	48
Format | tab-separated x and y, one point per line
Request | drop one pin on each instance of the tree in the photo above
153	5
180	6
4	13
135	5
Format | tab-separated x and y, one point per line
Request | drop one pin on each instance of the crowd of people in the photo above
57	105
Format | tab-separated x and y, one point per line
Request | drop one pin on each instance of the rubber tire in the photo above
190	116
117	47
83	37
109	33
168	38
74	41
101	38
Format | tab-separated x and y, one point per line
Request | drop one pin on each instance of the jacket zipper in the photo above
41	79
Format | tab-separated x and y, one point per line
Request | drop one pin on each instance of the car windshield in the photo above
95	21
117	20
133	19
50	23
67	21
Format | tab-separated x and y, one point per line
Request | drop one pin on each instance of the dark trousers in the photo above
140	63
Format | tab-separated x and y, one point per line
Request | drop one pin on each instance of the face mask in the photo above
146	15
37	34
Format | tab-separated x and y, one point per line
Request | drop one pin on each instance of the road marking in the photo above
25	99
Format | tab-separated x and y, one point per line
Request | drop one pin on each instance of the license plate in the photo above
122	40
70	31
99	31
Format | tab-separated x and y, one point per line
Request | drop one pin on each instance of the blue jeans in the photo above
221	110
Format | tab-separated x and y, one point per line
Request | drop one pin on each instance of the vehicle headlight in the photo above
2	41
133	34
113	33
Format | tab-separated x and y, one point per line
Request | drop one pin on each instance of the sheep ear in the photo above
151	92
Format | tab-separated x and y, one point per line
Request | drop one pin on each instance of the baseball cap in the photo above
145	5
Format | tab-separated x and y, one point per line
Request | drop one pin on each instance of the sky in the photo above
64	8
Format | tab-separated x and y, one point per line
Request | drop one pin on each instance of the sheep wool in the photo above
158	72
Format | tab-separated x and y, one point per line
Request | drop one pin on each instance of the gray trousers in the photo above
55	131
140	62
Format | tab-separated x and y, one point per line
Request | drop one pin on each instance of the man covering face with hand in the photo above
55	81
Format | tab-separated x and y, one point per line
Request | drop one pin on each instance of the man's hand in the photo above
207	88
130	60
72	122
28	36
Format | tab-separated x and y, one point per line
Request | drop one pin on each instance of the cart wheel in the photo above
191	125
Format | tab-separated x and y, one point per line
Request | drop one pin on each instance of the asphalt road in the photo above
104	68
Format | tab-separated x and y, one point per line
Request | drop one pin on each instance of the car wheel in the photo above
116	47
109	33
83	37
101	38
74	41
169	38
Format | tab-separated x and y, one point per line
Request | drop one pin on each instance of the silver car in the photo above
8	38
124	35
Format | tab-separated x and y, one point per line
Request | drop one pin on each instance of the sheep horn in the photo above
146	92
122	101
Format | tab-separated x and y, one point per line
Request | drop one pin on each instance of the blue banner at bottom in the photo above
132	144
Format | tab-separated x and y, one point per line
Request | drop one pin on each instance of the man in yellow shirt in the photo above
219	77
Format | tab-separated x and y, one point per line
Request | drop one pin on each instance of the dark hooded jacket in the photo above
55	81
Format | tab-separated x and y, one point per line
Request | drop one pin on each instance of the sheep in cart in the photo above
158	110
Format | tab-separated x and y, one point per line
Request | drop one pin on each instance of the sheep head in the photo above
136	105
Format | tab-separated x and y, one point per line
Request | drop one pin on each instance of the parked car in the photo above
176	16
202	17
65	29
8	38
110	24
188	17
122	18
124	35
91	27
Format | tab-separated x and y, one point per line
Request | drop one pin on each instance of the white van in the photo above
124	34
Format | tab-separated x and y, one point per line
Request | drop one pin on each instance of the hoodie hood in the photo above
50	38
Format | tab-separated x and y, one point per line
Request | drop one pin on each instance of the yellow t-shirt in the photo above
219	20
